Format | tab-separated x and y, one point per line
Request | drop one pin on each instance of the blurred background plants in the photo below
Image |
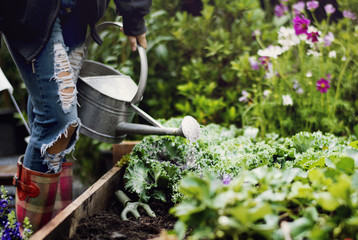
201	64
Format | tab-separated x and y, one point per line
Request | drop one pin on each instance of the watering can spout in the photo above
189	128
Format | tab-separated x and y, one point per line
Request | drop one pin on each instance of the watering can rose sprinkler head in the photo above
190	128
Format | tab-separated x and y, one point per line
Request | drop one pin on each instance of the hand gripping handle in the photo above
143	61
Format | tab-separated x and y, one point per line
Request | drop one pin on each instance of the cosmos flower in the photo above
270	51
298	8
328	39
332	54
322	85
312	5
287	100
300	24
280	10
329	9
349	14
287	37
313	36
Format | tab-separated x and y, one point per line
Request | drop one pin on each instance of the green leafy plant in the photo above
266	203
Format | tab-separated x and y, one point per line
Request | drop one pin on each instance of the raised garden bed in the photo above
96	213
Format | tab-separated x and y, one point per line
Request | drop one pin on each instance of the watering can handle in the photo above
143	61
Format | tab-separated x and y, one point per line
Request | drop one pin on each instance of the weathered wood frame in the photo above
94	200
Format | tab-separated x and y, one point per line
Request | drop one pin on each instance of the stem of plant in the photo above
341	74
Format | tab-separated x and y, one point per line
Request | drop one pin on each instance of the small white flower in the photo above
270	72
287	100
287	37
332	54
257	33
251	132
224	220
313	53
309	74
344	58
266	93
271	51
299	91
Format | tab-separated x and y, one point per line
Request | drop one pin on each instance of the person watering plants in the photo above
46	40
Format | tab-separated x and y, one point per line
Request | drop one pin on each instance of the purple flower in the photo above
328	39
322	85
312	5
3	203
313	36
280	10
245	96
226	179
329	9
254	64
300	25
298	8
349	14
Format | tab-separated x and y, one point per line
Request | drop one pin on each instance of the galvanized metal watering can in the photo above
108	101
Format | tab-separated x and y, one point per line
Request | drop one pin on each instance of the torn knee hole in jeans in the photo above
64	77
76	59
55	160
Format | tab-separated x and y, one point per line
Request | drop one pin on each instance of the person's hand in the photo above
141	40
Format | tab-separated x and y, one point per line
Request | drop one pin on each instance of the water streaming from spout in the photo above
191	130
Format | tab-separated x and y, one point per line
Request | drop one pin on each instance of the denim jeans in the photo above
52	102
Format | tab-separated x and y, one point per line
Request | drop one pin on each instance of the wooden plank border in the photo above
92	201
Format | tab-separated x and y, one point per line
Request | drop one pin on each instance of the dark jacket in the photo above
27	24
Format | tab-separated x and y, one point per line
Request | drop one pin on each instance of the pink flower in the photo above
312	5
349	14
298	8
280	10
322	85
300	25
313	36
328	39
329	9
265	61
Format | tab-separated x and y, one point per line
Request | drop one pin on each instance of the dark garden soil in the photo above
108	224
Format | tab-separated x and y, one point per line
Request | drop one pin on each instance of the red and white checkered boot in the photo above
35	195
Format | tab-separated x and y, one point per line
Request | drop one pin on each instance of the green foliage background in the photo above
199	66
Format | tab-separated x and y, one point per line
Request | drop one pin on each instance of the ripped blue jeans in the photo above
50	80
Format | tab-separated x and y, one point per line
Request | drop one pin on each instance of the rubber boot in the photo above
64	190
35	195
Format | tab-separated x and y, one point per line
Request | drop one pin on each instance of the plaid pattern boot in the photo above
35	195
64	190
